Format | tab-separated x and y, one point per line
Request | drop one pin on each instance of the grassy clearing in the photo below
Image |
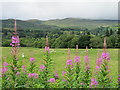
59	57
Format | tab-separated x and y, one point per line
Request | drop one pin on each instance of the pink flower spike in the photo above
82	83
64	80
93	82
31	59
42	67
106	56
63	72
56	75
4	69
6	64
18	73
52	80
47	49
69	62
15	39
86	58
77	59
33	75
23	67
15	68
97	67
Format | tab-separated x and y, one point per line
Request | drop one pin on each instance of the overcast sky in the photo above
58	10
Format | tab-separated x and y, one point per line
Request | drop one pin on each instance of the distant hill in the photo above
27	25
76	22
35	24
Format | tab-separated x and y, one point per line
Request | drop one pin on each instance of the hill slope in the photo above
76	22
57	23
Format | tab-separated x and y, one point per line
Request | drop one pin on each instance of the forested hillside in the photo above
62	33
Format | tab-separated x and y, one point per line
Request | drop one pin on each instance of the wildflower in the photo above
93	82
119	79
47	49
15	68
15	39
106	56
64	80
87	67
86	58
18	73
77	59
56	75
6	64
82	83
4	69
42	67
97	66
12	44
69	62
23	67
31	59
52	80
33	75
63	73
99	61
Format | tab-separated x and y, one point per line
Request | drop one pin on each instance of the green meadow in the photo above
59	56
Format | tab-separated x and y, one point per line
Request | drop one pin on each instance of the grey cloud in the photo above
58	10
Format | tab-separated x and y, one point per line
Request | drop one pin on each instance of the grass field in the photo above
59	56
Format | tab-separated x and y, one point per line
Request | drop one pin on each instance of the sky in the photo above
45	10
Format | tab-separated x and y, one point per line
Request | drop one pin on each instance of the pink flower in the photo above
93	82
87	67
12	44
4	69
82	83
97	66
18	73
33	75
56	75
31	59
6	64
77	59
55	71
15	68
69	62
42	67
86	58
99	61
23	67
15	39
47	49
52	80
64	80
63	73
119	79
106	56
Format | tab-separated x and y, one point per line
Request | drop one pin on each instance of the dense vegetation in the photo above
63	33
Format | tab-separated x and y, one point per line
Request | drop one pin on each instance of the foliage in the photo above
33	32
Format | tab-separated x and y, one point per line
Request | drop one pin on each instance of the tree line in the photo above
63	39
